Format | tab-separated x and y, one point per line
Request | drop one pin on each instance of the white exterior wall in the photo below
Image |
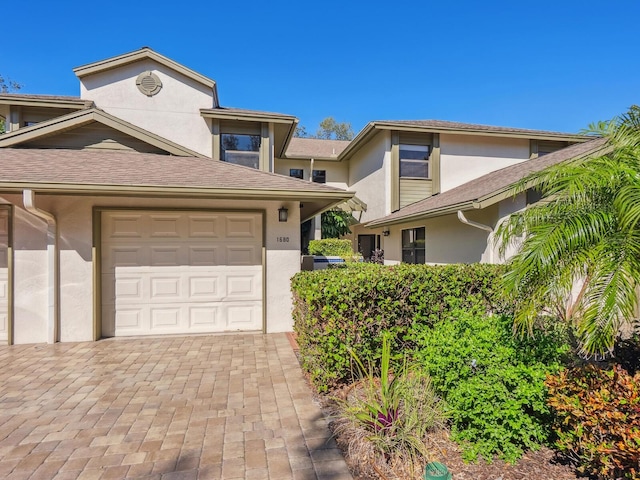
369	176
173	113
447	239
75	220
337	172
465	157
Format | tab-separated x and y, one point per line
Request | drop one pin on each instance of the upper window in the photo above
240	149
296	173
414	161
319	176
413	241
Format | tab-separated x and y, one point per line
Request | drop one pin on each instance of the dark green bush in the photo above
335	310
331	247
492	382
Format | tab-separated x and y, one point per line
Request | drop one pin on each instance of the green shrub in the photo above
492	382
331	247
335	310
598	419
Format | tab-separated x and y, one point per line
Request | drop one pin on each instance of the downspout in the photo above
28	198
481	226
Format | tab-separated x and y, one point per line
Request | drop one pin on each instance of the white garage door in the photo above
181	272
4	276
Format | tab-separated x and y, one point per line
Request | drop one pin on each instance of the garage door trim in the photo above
96	253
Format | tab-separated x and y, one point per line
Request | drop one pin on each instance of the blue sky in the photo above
552	65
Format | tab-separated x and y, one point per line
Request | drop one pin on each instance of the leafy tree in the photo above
584	232
7	85
336	223
329	130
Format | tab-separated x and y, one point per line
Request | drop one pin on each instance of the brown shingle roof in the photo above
443	124
490	184
88	168
315	148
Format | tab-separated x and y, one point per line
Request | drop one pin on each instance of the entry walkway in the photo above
196	407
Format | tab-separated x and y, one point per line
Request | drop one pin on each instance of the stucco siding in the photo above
464	157
75	223
173	113
337	172
447	239
369	174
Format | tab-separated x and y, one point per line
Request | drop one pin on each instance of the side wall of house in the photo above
173	113
369	174
447	240
337	172
466	157
75	226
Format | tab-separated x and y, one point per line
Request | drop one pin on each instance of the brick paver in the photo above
195	407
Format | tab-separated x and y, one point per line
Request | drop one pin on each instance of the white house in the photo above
144	207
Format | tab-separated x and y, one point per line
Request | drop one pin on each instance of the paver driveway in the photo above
206	407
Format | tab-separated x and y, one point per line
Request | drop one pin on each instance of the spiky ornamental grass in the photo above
584	233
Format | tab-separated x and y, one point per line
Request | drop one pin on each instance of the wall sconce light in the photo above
283	214
385	232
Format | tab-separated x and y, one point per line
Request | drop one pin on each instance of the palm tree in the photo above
579	247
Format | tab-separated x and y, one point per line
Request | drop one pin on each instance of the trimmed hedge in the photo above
331	247
335	310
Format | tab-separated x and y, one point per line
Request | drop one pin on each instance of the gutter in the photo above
481	226
28	198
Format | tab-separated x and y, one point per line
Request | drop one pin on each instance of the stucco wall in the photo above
369	174
337	172
447	239
74	216
173	113
465	157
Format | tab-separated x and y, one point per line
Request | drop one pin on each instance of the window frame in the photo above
315	174
415	248
424	161
255	150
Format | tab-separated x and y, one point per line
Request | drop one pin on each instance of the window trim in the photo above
415	148
416	245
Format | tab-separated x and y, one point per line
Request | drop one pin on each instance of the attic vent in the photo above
148	83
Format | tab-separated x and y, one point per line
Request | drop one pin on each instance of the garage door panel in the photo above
166	226
241	227
205	255
124	226
205	226
243	255
183	272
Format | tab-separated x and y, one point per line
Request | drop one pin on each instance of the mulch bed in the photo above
364	464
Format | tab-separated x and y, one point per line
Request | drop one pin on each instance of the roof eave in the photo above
438	212
39	102
171	191
253	116
482	132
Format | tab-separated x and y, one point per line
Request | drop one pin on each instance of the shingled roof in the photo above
315	148
77	171
484	191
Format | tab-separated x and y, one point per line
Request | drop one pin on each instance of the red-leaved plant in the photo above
598	419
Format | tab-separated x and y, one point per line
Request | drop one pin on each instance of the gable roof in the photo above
145	53
454	128
84	117
488	189
125	172
316	148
